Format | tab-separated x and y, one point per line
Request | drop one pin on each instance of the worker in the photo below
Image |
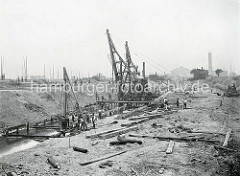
79	121
178	102
83	123
109	96
88	118
73	118
97	98
64	123
70	122
67	121
165	103
185	103
100	114
93	120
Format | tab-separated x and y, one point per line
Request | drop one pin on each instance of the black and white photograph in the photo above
120	87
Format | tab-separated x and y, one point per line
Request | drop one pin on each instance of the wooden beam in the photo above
143	119
116	133
207	132
53	163
104	132
115	101
173	138
152	116
80	149
29	136
100	159
224	148
125	141
133	111
47	127
225	144
133	123
170	147
15	127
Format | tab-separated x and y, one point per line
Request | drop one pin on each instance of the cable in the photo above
152	61
148	63
156	63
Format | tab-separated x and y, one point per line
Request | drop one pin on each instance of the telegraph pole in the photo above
26	70
53	72
65	93
57	74
50	75
44	76
1	67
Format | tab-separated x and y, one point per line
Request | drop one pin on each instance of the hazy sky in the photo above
72	33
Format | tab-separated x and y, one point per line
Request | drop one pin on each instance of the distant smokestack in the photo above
143	71
210	63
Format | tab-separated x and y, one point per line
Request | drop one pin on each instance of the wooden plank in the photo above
207	132
15	127
144	119
28	136
100	159
170	147
133	123
104	132
152	116
80	149
47	127
116	133
173	138
116	101
53	163
125	141
224	148
225	144
133	111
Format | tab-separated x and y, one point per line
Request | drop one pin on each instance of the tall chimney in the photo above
210	63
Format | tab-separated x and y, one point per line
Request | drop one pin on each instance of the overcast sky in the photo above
72	33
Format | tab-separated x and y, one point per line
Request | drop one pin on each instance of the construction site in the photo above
133	123
134	131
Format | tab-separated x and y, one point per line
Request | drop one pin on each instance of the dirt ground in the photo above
149	158
26	105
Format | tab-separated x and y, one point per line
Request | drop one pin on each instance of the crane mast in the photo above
126	74
118	63
132	69
65	97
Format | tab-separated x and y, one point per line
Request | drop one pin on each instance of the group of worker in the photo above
167	107
80	121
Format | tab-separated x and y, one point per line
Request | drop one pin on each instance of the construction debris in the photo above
125	141
170	147
96	135
100	159
225	144
117	133
106	164
53	163
78	149
174	138
224	148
